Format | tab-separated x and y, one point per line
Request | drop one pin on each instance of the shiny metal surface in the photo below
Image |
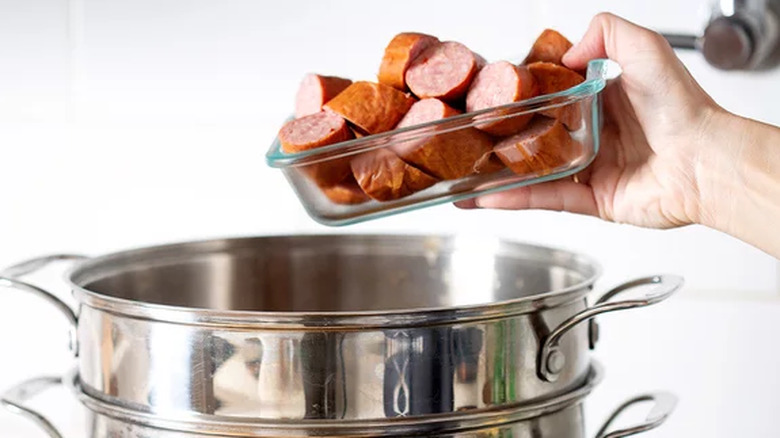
561	417
739	35
552	360
663	406
29	266
682	41
15	399
727	43
351	328
9	279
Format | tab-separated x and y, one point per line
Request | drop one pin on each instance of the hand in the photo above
655	132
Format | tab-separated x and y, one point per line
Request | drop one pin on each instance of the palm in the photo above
633	179
634	182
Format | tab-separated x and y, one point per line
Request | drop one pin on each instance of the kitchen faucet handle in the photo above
740	35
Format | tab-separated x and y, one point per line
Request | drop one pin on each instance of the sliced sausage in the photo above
553	78
488	164
539	149
550	46
498	84
315	91
313	131
443	71
384	176
372	108
449	155
347	192
399	53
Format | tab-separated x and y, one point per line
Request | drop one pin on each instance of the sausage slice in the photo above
450	155
399	53
372	108
553	78
498	84
347	192
443	71
385	177
550	46
313	131
315	91
539	149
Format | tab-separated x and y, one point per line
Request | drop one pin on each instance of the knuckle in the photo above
604	16
649	38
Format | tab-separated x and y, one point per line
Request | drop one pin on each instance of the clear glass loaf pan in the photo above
582	104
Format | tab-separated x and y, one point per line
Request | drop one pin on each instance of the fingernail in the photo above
467	204
566	55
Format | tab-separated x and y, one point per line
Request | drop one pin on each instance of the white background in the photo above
127	123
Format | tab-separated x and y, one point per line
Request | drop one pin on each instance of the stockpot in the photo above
347	327
558	417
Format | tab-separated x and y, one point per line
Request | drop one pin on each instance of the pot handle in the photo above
9	279
552	359
15	398
664	406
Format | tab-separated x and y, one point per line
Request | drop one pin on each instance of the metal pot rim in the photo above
439	423
86	271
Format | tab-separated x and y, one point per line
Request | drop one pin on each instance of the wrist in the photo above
738	176
718	176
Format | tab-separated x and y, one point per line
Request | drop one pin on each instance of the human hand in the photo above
655	132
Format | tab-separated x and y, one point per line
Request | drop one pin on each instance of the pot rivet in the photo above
555	362
594	333
73	344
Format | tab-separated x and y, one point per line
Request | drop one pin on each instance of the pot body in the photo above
179	369
560	417
328	327
565	423
557	417
333	327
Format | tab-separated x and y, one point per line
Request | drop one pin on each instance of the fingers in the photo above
591	46
561	195
467	204
610	36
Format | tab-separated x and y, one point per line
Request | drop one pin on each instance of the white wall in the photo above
126	123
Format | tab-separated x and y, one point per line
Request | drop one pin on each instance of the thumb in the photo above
610	36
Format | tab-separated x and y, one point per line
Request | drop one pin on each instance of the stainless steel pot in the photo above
558	417
333	327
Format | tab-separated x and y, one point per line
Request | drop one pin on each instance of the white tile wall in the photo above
126	123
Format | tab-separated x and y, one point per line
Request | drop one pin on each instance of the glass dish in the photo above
581	103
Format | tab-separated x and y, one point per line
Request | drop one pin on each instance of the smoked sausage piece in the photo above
313	131
443	71
550	46
553	78
541	147
347	192
449	155
372	108
384	176
488	164
315	91
498	84
399	53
